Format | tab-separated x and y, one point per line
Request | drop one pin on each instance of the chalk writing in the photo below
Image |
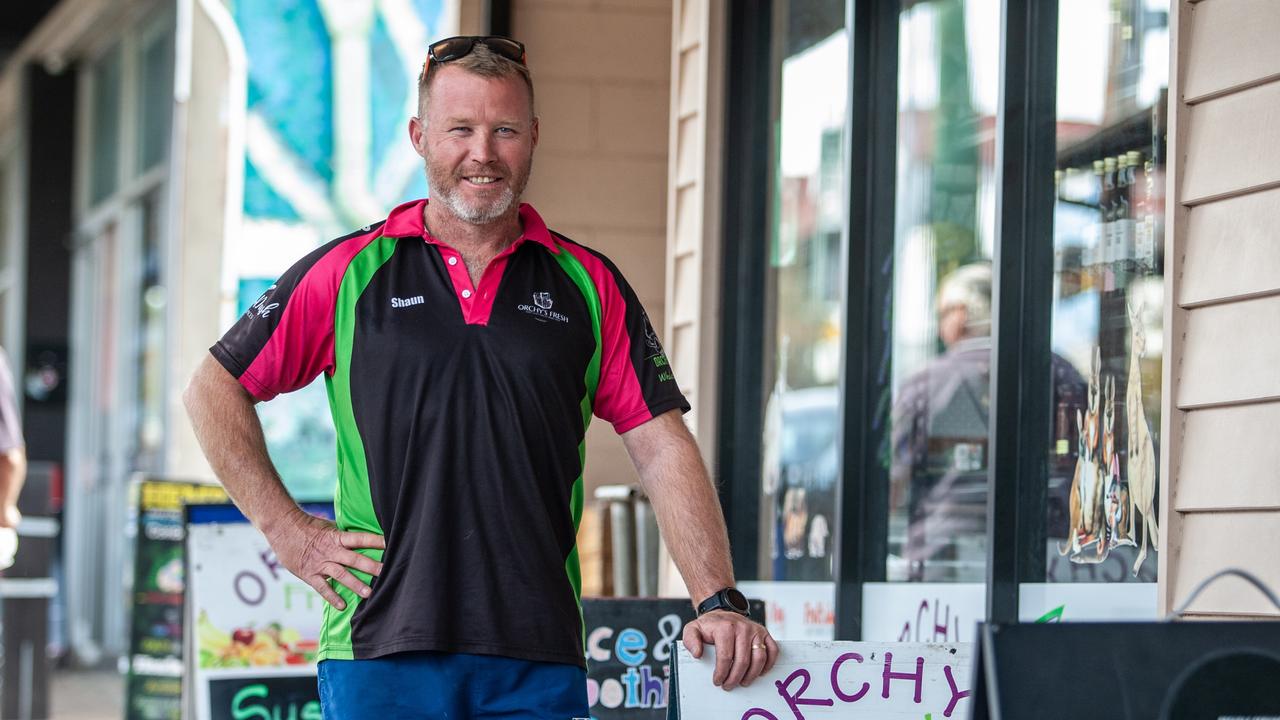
828	680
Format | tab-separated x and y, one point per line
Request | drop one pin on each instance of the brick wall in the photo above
602	73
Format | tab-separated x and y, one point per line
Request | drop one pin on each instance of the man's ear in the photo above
417	135
533	129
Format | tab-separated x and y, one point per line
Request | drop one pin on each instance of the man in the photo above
465	348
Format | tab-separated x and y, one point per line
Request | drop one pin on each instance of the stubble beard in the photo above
445	189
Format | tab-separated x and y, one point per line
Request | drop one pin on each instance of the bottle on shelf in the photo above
1109	223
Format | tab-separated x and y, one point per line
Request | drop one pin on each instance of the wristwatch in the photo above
730	599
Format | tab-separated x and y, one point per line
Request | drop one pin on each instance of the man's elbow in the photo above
14	461
193	393
203	386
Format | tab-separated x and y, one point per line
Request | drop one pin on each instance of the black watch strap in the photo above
730	599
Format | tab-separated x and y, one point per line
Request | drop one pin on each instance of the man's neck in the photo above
463	236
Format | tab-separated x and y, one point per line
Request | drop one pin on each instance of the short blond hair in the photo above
480	61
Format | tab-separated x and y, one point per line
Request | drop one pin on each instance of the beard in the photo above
445	188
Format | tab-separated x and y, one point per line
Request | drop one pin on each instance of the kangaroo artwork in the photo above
1110	508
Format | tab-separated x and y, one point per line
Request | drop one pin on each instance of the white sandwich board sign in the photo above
816	680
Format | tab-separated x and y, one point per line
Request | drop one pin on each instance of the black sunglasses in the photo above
461	46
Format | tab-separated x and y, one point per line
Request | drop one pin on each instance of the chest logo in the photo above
407	302
541	309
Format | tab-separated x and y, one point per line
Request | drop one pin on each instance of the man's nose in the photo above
483	148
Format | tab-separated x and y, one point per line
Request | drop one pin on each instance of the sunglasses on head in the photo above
461	46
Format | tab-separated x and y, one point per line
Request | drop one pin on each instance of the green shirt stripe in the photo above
578	273
352	502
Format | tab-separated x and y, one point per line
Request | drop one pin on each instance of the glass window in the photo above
156	98
802	353
1108	291
105	130
941	324
149	346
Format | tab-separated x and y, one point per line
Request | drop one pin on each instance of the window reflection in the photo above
945	227
1108	288
803	308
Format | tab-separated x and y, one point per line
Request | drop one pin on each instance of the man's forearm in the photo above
13	472
230	435
685	501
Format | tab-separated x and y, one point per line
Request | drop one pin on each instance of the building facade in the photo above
969	297
956	355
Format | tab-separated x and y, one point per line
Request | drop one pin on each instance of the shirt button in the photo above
466	294
453	261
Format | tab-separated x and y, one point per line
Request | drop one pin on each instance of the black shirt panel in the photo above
472	437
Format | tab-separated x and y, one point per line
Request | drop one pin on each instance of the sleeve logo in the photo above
650	335
260	307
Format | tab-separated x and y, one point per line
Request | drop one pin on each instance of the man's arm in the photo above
230	434
689	516
13	472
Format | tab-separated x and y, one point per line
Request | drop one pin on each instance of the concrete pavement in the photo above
86	695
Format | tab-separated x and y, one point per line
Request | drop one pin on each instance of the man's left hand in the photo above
744	649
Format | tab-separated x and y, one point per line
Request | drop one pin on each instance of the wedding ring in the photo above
757	645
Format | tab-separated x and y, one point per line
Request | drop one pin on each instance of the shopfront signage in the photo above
814	680
797	610
922	612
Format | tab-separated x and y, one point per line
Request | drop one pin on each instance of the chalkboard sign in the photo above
629	642
1182	671
264	697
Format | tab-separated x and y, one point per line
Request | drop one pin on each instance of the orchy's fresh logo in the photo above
541	309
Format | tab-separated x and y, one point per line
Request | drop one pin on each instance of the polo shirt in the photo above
461	412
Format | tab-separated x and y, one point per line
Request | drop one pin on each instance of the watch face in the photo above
737	600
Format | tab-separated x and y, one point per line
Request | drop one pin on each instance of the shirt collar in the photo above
406	221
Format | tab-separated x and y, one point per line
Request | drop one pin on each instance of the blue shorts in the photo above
457	686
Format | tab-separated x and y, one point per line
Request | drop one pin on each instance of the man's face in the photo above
477	138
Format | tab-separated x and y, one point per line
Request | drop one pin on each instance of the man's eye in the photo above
460	129
507	131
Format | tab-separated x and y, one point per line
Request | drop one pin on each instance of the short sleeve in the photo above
637	383
285	339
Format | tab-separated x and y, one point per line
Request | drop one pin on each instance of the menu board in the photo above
154	684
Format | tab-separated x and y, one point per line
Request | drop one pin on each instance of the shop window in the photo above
804	301
104	155
156	97
945	228
1108	299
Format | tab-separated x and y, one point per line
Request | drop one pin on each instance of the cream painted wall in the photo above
602	74
199	216
1221	501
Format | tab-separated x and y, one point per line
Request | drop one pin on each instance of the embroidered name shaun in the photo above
406	302
541	309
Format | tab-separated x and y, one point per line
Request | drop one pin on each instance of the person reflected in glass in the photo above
941	418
